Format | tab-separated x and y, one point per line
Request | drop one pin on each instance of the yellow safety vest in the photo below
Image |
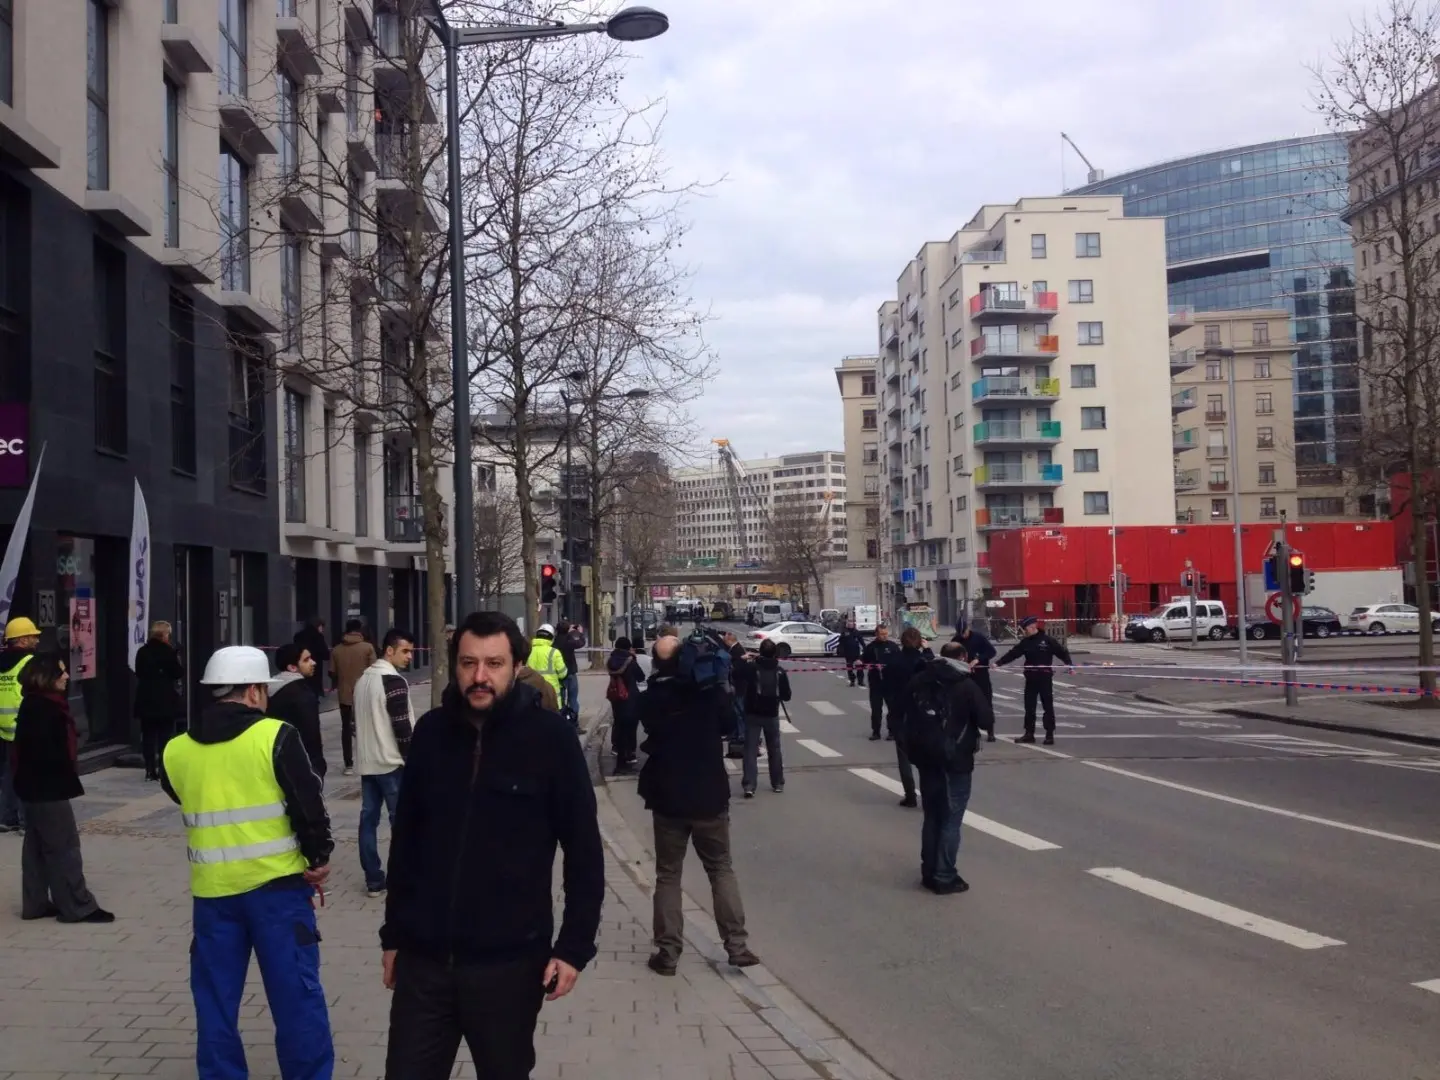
236	830
10	698
546	661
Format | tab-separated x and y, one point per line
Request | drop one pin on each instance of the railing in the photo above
992	301
404	519
889	334
897	537
1012	386
387	32
1006	518
1219	485
1007	473
897	502
1016	431
1182	313
1187	480
1185	399
392	154
1214	451
983	256
1045	345
1214	416
982	561
1187	439
912	308
1184	358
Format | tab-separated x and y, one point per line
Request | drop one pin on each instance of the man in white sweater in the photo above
384	721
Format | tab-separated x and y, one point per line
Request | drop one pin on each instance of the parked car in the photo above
1172	621
792	638
1389	619
1320	622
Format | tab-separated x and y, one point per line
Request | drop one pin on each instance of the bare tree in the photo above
644	527
801	543
498	565
1380	89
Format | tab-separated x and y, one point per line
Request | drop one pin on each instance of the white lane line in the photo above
732	766
1433	985
824	708
1214	909
818	748
787	728
972	820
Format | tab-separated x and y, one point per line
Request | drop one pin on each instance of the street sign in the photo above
994	603
1274	611
1014	594
907	575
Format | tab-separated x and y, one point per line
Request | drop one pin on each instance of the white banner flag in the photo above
138	619
15	550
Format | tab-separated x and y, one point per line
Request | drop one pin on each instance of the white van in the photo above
773	611
1172	621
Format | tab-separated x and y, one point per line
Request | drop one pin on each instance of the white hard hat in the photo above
546	628
236	665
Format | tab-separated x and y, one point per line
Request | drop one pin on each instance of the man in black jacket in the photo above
946	686
981	654
292	699
1039	650
687	791
852	645
626	676
493	783
874	657
899	669
312	636
766	687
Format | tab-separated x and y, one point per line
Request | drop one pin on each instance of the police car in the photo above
795	639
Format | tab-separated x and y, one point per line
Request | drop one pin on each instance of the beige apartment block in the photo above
857	380
1024	378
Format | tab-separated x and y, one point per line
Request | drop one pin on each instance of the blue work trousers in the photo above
278	924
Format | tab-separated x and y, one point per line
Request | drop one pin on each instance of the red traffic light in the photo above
547	571
1297	559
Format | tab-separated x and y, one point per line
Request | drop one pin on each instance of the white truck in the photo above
866	617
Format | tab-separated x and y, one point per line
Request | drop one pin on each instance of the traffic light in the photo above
1299	579
548	575
1309	580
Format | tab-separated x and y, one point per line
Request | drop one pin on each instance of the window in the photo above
926	474
287	95
1038	287
1260	333
182	383
924	280
1082	291
1037	245
1262	367
1097	502
1267	507
247	415
955	298
1265	438
1212	336
294	456
872	548
867	420
291	253
1087	245
1264	404
867	385
1082	375
1092	418
929	514
1218	477
1092	333
1214	408
1213	371
1087	460
234	222
352	87
960	502
1267	473
1219	508
872	516
352	212
172	12
1329	507
7	51
97	91
170	164
957	463
234	48
111	392
872	453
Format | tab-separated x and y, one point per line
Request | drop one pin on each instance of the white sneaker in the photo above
349	771
373	893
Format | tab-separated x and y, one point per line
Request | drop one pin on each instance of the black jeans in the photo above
493	1007
902	759
981	675
767	727
623	724
347	735
1039	688
855	670
155	732
877	703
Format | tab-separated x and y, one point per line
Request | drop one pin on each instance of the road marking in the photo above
1414	764
1433	985
787	728
824	708
818	748
1069	724
1206	724
1214	909
1295	745
732	766
972	820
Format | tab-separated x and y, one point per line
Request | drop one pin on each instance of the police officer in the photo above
852	645
21	637
258	840
873	659
1039	650
981	654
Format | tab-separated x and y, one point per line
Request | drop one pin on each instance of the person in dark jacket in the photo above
292	699
493	784
874	658
741	674
158	704
52	873
981	654
624	669
852	645
570	639
945	784
767	686
1039	650
687	791
900	668
312	636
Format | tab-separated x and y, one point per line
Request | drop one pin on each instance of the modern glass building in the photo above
1259	226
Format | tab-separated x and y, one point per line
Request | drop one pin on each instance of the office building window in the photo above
234	222
287	95
1219	508
1037	245
1264	404
1092	333
1328	507
867	420
1097	502
1267	507
291	253
294	456
362	483
7	51
1087	460
1260	332
234	48
182	383
247	415
1082	376
1092	418
1212	336
1262	367
1082	291
1267	473
14	292
1087	245
111	392
867	385
170	164
172	12
97	91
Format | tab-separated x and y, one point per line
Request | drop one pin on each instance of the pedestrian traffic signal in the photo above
547	583
1298	578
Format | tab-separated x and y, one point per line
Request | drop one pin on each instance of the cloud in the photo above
848	133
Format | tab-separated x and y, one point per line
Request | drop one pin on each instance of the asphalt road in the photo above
1165	894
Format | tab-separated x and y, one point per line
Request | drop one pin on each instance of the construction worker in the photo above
21	637
545	658
259	844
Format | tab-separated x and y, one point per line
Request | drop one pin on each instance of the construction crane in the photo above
734	477
1093	177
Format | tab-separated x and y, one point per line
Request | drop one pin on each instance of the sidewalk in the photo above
113	1001
1356	716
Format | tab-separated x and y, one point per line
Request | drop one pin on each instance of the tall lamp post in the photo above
629	24
1228	356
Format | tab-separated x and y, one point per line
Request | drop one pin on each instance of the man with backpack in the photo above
767	688
851	646
944	717
873	659
623	693
900	668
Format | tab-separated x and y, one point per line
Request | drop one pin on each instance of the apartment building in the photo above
1024	380
714	521
162	266
857	380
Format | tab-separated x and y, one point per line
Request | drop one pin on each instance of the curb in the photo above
1300	721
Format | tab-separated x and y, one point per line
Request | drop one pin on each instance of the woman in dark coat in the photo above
158	705
46	779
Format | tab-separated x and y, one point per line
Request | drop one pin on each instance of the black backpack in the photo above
929	724
767	681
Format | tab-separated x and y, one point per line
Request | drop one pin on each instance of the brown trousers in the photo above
711	837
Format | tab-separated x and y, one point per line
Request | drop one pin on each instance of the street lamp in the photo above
629	24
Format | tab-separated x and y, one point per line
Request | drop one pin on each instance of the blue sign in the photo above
907	575
1271	585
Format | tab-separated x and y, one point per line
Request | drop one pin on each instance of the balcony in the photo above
1015	432
1217	452
1183	359
1188	439
294	47
982	561
897	537
897	504
992	256
989	519
1045	347
992	303
1009	388
892	404
1182	401
912	309
404	519
1214	415
1187	479
243	126
184	50
989	477
1219	485
889	334
892	372
1181	318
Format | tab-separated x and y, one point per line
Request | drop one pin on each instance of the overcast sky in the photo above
850	131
